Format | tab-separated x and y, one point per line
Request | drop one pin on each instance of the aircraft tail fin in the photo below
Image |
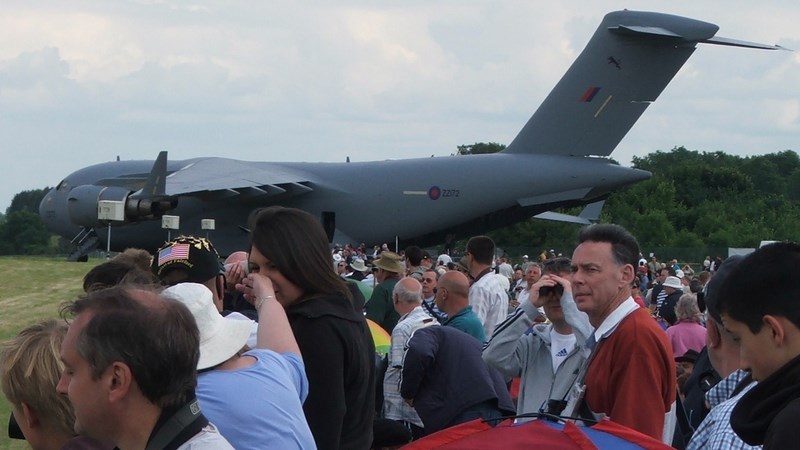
156	184
589	215
626	65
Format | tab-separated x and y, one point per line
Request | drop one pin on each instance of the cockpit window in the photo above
63	186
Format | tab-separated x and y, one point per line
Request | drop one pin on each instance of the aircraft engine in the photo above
83	202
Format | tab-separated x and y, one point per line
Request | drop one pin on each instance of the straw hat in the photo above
390	262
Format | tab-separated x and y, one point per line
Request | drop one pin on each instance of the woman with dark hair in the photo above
290	262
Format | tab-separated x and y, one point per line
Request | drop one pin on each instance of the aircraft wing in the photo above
589	215
222	178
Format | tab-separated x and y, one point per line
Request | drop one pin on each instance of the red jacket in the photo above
631	378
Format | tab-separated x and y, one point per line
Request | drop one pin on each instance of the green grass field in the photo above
32	289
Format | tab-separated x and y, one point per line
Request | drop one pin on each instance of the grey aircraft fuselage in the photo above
416	200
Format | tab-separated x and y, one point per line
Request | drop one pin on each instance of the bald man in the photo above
407	300
452	297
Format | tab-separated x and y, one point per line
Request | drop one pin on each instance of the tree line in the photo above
693	200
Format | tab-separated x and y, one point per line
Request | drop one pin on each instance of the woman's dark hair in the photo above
295	242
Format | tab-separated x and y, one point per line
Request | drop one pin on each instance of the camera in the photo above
547	290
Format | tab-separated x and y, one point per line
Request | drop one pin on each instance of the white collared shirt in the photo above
613	320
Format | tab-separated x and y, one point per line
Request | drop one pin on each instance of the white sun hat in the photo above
220	338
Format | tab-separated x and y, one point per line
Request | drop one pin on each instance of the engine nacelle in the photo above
83	201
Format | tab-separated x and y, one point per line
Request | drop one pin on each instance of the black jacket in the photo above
338	353
767	414
667	309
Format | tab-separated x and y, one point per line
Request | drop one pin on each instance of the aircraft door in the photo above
329	224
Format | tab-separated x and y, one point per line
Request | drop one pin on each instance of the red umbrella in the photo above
479	435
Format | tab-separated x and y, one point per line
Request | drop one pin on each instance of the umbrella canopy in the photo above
539	433
383	340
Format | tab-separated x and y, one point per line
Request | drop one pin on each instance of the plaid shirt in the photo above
715	430
394	407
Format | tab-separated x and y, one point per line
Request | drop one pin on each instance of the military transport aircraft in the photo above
628	62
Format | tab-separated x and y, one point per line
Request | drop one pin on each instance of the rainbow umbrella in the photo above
383	341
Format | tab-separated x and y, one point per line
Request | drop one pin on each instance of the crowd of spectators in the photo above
278	345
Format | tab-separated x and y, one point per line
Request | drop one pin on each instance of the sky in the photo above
87	81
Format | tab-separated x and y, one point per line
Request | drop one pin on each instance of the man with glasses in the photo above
429	281
452	297
341	269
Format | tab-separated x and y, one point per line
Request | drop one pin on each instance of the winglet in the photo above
589	215
156	184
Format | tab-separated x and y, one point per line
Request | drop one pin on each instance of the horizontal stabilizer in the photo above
589	215
718	40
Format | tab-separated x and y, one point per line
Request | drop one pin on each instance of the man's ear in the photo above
713	337
628	274
220	285
118	380
777	330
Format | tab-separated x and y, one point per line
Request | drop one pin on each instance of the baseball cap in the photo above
195	255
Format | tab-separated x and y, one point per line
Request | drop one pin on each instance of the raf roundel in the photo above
434	193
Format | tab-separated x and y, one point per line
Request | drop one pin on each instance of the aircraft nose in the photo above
47	211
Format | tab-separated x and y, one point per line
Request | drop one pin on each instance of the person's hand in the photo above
562	281
533	293
234	273
549	280
255	286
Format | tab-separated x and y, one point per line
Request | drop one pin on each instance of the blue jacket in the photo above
444	374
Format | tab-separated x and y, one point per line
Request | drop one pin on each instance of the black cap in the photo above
690	356
193	254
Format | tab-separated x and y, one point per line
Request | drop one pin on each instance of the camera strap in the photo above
174	430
